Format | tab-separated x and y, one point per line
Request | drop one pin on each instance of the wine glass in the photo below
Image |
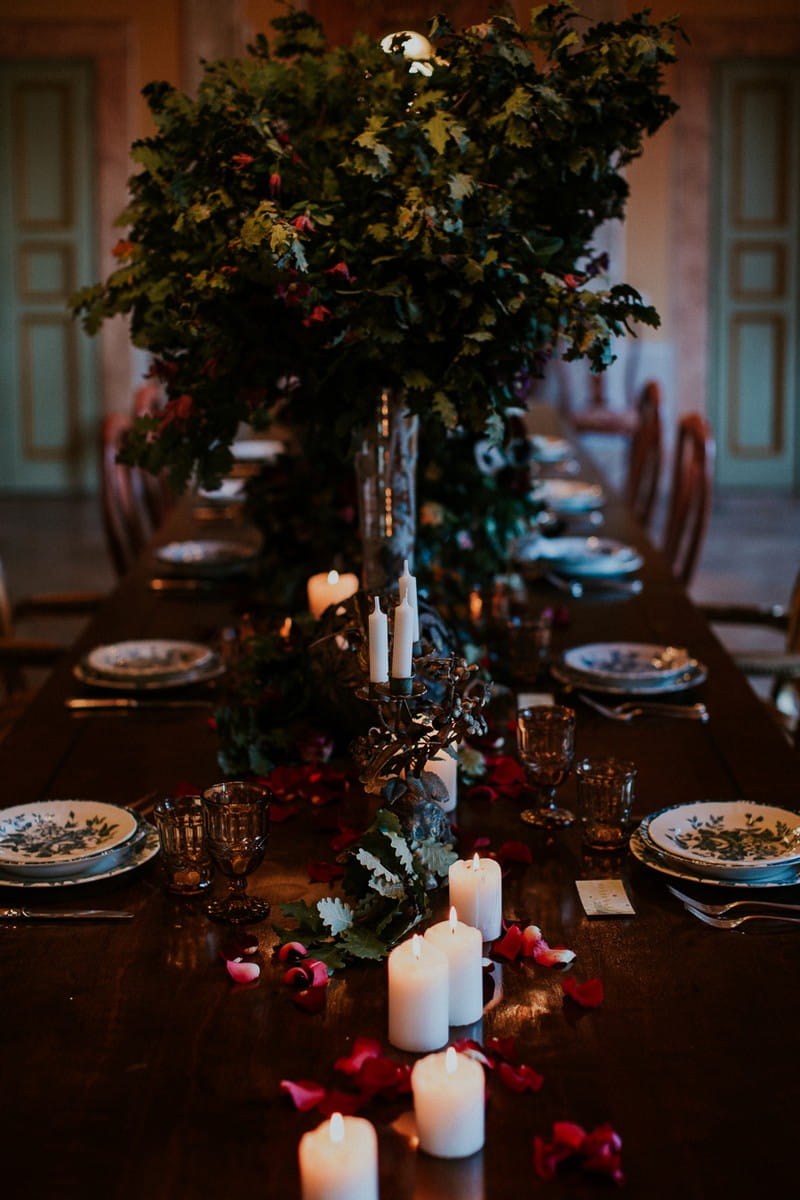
546	743
236	816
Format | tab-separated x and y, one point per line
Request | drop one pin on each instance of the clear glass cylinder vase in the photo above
386	469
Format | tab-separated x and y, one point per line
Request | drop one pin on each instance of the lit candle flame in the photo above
476	863
285	629
333	577
416	946
450	1060
336	1127
453	918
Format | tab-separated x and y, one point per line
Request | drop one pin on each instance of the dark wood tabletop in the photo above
132	1065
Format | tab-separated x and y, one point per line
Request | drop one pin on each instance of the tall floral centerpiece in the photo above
321	227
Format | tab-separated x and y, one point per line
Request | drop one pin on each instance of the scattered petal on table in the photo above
588	994
305	1093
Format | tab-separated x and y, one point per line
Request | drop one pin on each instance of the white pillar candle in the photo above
445	765
449	1103
332	588
403	640
476	891
339	1160
378	645
418	996
408	588
463	947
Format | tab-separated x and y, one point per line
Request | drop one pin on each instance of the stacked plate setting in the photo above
730	843
580	557
55	843
629	668
206	558
148	664
568	495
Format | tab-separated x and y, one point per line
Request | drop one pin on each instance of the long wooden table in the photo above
133	1067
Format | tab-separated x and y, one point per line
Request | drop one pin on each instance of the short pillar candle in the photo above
324	590
476	891
463	947
339	1160
449	1103
418	996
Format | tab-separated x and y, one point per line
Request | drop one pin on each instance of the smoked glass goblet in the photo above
546	744
236	816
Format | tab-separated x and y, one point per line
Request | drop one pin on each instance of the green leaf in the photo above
401	848
436	858
306	915
363	943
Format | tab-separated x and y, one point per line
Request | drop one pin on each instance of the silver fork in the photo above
734	922
718	910
630	709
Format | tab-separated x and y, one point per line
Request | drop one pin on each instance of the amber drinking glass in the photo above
546	744
236	816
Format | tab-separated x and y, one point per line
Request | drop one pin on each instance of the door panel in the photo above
46	249
755	285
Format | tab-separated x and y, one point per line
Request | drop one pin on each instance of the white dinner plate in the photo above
568	495
695	674
627	662
730	837
582	556
645	853
257	450
209	670
52	838
228	490
142	849
549	449
148	659
209	557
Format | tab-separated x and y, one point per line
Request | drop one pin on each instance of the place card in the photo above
604	898
532	699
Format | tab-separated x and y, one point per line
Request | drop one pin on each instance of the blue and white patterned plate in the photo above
630	662
52	838
148	658
677	869
695	674
211	557
729	838
569	495
143	847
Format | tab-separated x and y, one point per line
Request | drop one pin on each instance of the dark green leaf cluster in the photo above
319	224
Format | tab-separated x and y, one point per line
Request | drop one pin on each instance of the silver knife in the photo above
96	703
51	914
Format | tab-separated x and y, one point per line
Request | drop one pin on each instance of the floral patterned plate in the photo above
695	674
569	495
677	869
62	837
153	658
206	557
210	670
588	556
734	836
143	846
635	662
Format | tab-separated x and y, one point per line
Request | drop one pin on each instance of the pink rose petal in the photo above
305	1093
532	941
319	972
291	951
588	994
521	1078
557	957
242	972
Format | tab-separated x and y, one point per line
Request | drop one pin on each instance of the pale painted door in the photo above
756	275
47	364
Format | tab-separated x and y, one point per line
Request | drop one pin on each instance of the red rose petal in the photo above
324	872
558	956
474	1050
510	945
281	812
588	994
521	1078
319	972
363	1048
514	852
532	941
311	999
346	1103
482	791
384	1077
505	1047
346	837
305	1093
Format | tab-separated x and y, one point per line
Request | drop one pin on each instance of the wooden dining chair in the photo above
21	655
645	459
689	504
779	668
134	502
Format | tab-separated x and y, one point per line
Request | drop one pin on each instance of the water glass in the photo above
184	853
546	744
605	798
236	816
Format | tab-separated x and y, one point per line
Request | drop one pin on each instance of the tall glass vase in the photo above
386	465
